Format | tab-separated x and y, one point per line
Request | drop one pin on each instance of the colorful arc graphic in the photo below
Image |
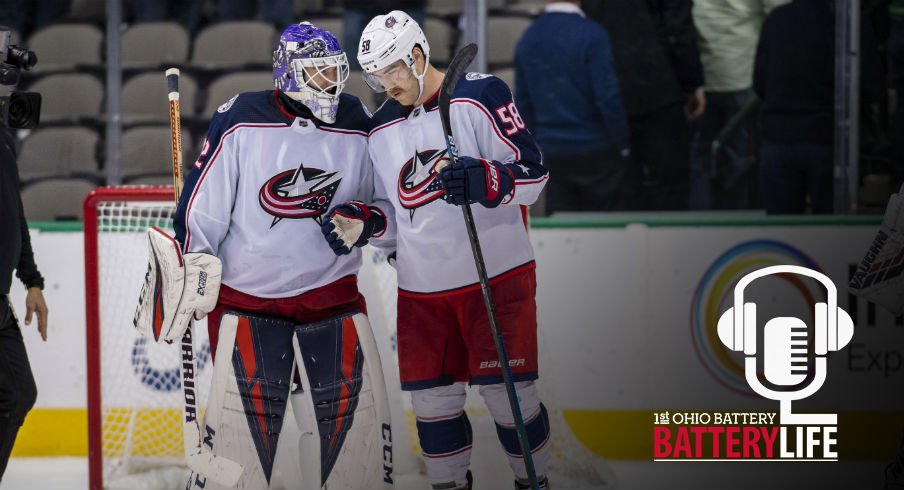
714	294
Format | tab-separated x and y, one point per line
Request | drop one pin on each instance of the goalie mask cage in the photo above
134	385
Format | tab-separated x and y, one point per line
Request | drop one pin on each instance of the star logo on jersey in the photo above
298	194
418	182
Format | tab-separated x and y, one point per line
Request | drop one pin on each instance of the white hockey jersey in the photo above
429	235
261	186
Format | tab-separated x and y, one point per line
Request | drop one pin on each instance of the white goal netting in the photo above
135	400
135	397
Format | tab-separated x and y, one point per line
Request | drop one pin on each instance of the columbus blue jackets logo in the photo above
298	194
418	180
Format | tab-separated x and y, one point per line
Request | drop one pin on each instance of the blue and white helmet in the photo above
310	67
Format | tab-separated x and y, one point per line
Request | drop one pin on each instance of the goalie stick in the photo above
199	458
457	68
172	83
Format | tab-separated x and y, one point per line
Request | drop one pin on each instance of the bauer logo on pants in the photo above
494	364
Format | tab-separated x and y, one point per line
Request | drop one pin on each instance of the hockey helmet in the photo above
302	69
387	39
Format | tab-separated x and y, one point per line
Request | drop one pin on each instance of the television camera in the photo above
18	110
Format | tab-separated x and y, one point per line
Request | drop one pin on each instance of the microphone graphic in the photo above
785	351
785	344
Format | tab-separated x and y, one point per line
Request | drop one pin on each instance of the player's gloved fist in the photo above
471	180
352	224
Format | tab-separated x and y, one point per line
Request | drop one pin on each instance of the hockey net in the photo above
134	386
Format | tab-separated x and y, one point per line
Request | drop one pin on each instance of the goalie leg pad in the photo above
176	288
536	422
252	378
341	407
880	276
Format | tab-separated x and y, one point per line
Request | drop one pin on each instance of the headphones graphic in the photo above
781	343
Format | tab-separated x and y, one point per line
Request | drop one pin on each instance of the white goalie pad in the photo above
176	288
340	405
346	434
879	277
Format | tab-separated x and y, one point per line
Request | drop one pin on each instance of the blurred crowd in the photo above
646	104
728	104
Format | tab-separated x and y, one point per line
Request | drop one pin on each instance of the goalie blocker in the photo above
331	372
176	288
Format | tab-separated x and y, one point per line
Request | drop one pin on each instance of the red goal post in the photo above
133	422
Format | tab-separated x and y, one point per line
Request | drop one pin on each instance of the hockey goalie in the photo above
286	321
879	279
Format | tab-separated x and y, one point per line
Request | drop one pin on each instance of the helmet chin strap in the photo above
420	78
420	85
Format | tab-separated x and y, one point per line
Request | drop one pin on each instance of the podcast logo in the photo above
793	357
795	366
714	293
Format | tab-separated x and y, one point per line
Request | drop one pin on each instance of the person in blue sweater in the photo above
567	90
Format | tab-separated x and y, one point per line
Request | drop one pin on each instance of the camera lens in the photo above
24	110
18	109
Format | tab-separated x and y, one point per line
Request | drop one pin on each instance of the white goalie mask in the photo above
310	67
386	40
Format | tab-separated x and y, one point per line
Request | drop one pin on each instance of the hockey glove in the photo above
351	225
176	288
471	180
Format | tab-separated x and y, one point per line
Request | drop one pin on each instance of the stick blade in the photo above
220	470
457	68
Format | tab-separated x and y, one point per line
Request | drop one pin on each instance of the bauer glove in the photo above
471	180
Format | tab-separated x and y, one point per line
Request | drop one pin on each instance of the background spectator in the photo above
568	94
27	16
794	78
661	80
186	12
277	12
896	61
729	30
357	14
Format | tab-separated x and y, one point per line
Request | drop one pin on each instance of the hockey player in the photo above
274	162
444	336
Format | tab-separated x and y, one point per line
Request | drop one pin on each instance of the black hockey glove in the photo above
471	180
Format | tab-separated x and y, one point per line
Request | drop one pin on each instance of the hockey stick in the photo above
457	68
200	459
172	85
